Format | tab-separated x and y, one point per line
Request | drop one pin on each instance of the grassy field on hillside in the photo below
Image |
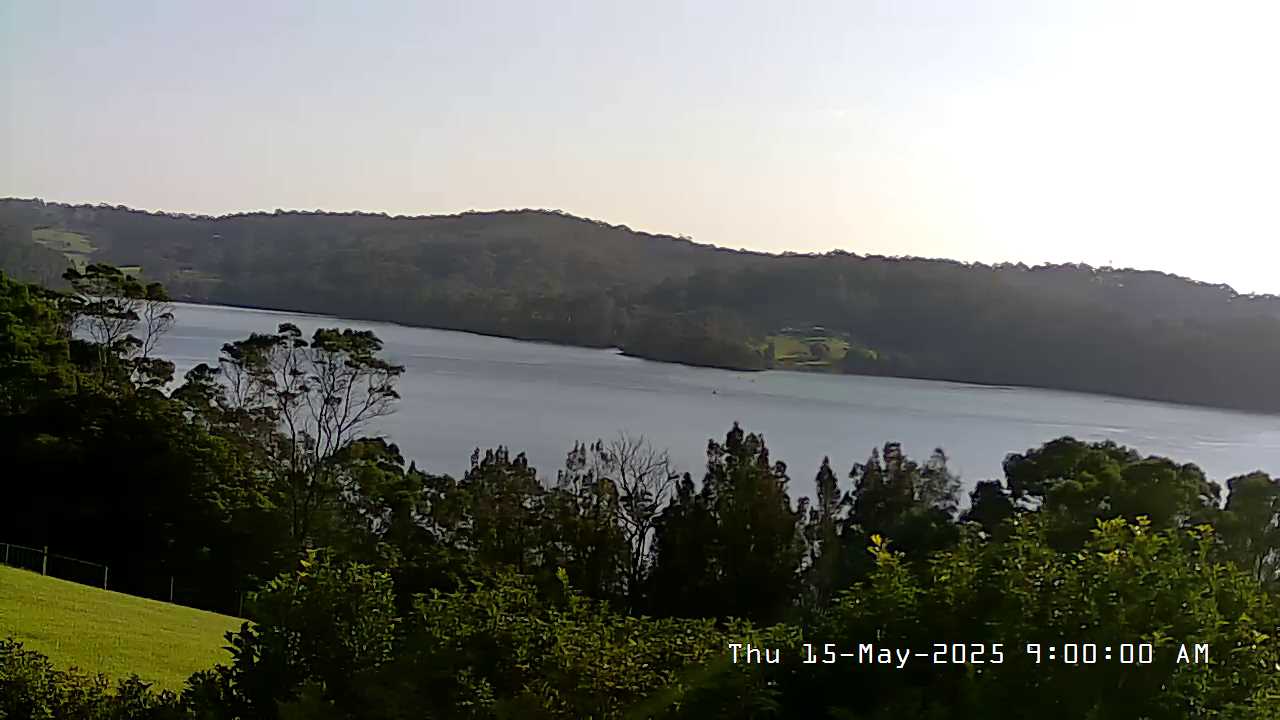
75	247
100	631
797	351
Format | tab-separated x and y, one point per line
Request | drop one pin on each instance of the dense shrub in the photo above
32	689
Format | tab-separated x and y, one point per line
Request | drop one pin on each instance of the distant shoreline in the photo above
544	276
620	351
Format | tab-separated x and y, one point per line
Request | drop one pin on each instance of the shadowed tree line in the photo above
612	590
550	276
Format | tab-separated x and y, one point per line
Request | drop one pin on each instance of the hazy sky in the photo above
1139	134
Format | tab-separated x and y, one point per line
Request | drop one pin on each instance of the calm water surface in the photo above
460	391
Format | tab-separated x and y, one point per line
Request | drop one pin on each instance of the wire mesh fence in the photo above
54	565
167	588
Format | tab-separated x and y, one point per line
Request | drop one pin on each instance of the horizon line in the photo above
183	215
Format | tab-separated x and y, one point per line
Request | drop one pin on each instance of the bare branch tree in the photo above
156	316
644	484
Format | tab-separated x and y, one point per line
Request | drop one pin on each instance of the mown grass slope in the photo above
101	631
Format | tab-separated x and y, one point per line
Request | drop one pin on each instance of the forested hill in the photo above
550	276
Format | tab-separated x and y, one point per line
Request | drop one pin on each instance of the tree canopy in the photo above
373	589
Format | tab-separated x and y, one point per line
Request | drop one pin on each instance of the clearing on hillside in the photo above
76	248
99	631
792	350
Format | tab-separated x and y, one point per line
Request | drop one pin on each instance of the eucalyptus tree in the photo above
108	306
317	397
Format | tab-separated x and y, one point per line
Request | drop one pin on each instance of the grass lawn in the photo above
790	350
99	631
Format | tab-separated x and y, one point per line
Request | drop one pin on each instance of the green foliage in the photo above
585	512
307	402
614	493
108	305
747	534
707	338
1250	525
1128	584
991	508
140	484
893	496
501	648
495	595
31	689
502	501
318	630
34	345
1074	484
825	561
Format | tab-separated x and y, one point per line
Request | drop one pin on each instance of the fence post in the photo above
170	588
44	561
104	576
6	553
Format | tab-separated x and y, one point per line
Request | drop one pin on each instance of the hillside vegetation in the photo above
550	276
99	631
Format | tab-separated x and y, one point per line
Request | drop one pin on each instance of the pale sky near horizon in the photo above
1126	133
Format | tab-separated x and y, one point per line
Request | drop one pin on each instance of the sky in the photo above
1123	133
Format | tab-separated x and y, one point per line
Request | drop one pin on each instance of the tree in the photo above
583	529
380	501
319	395
157	316
502	504
825	558
897	498
743	525
1251	525
991	508
108	305
1076	484
138	480
645	484
682	574
35	356
627	483
318	630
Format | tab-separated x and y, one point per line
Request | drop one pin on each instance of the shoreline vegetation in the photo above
548	276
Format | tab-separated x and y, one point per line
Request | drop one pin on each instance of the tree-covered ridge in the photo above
549	276
380	590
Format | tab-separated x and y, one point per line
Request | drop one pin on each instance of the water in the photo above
462	391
